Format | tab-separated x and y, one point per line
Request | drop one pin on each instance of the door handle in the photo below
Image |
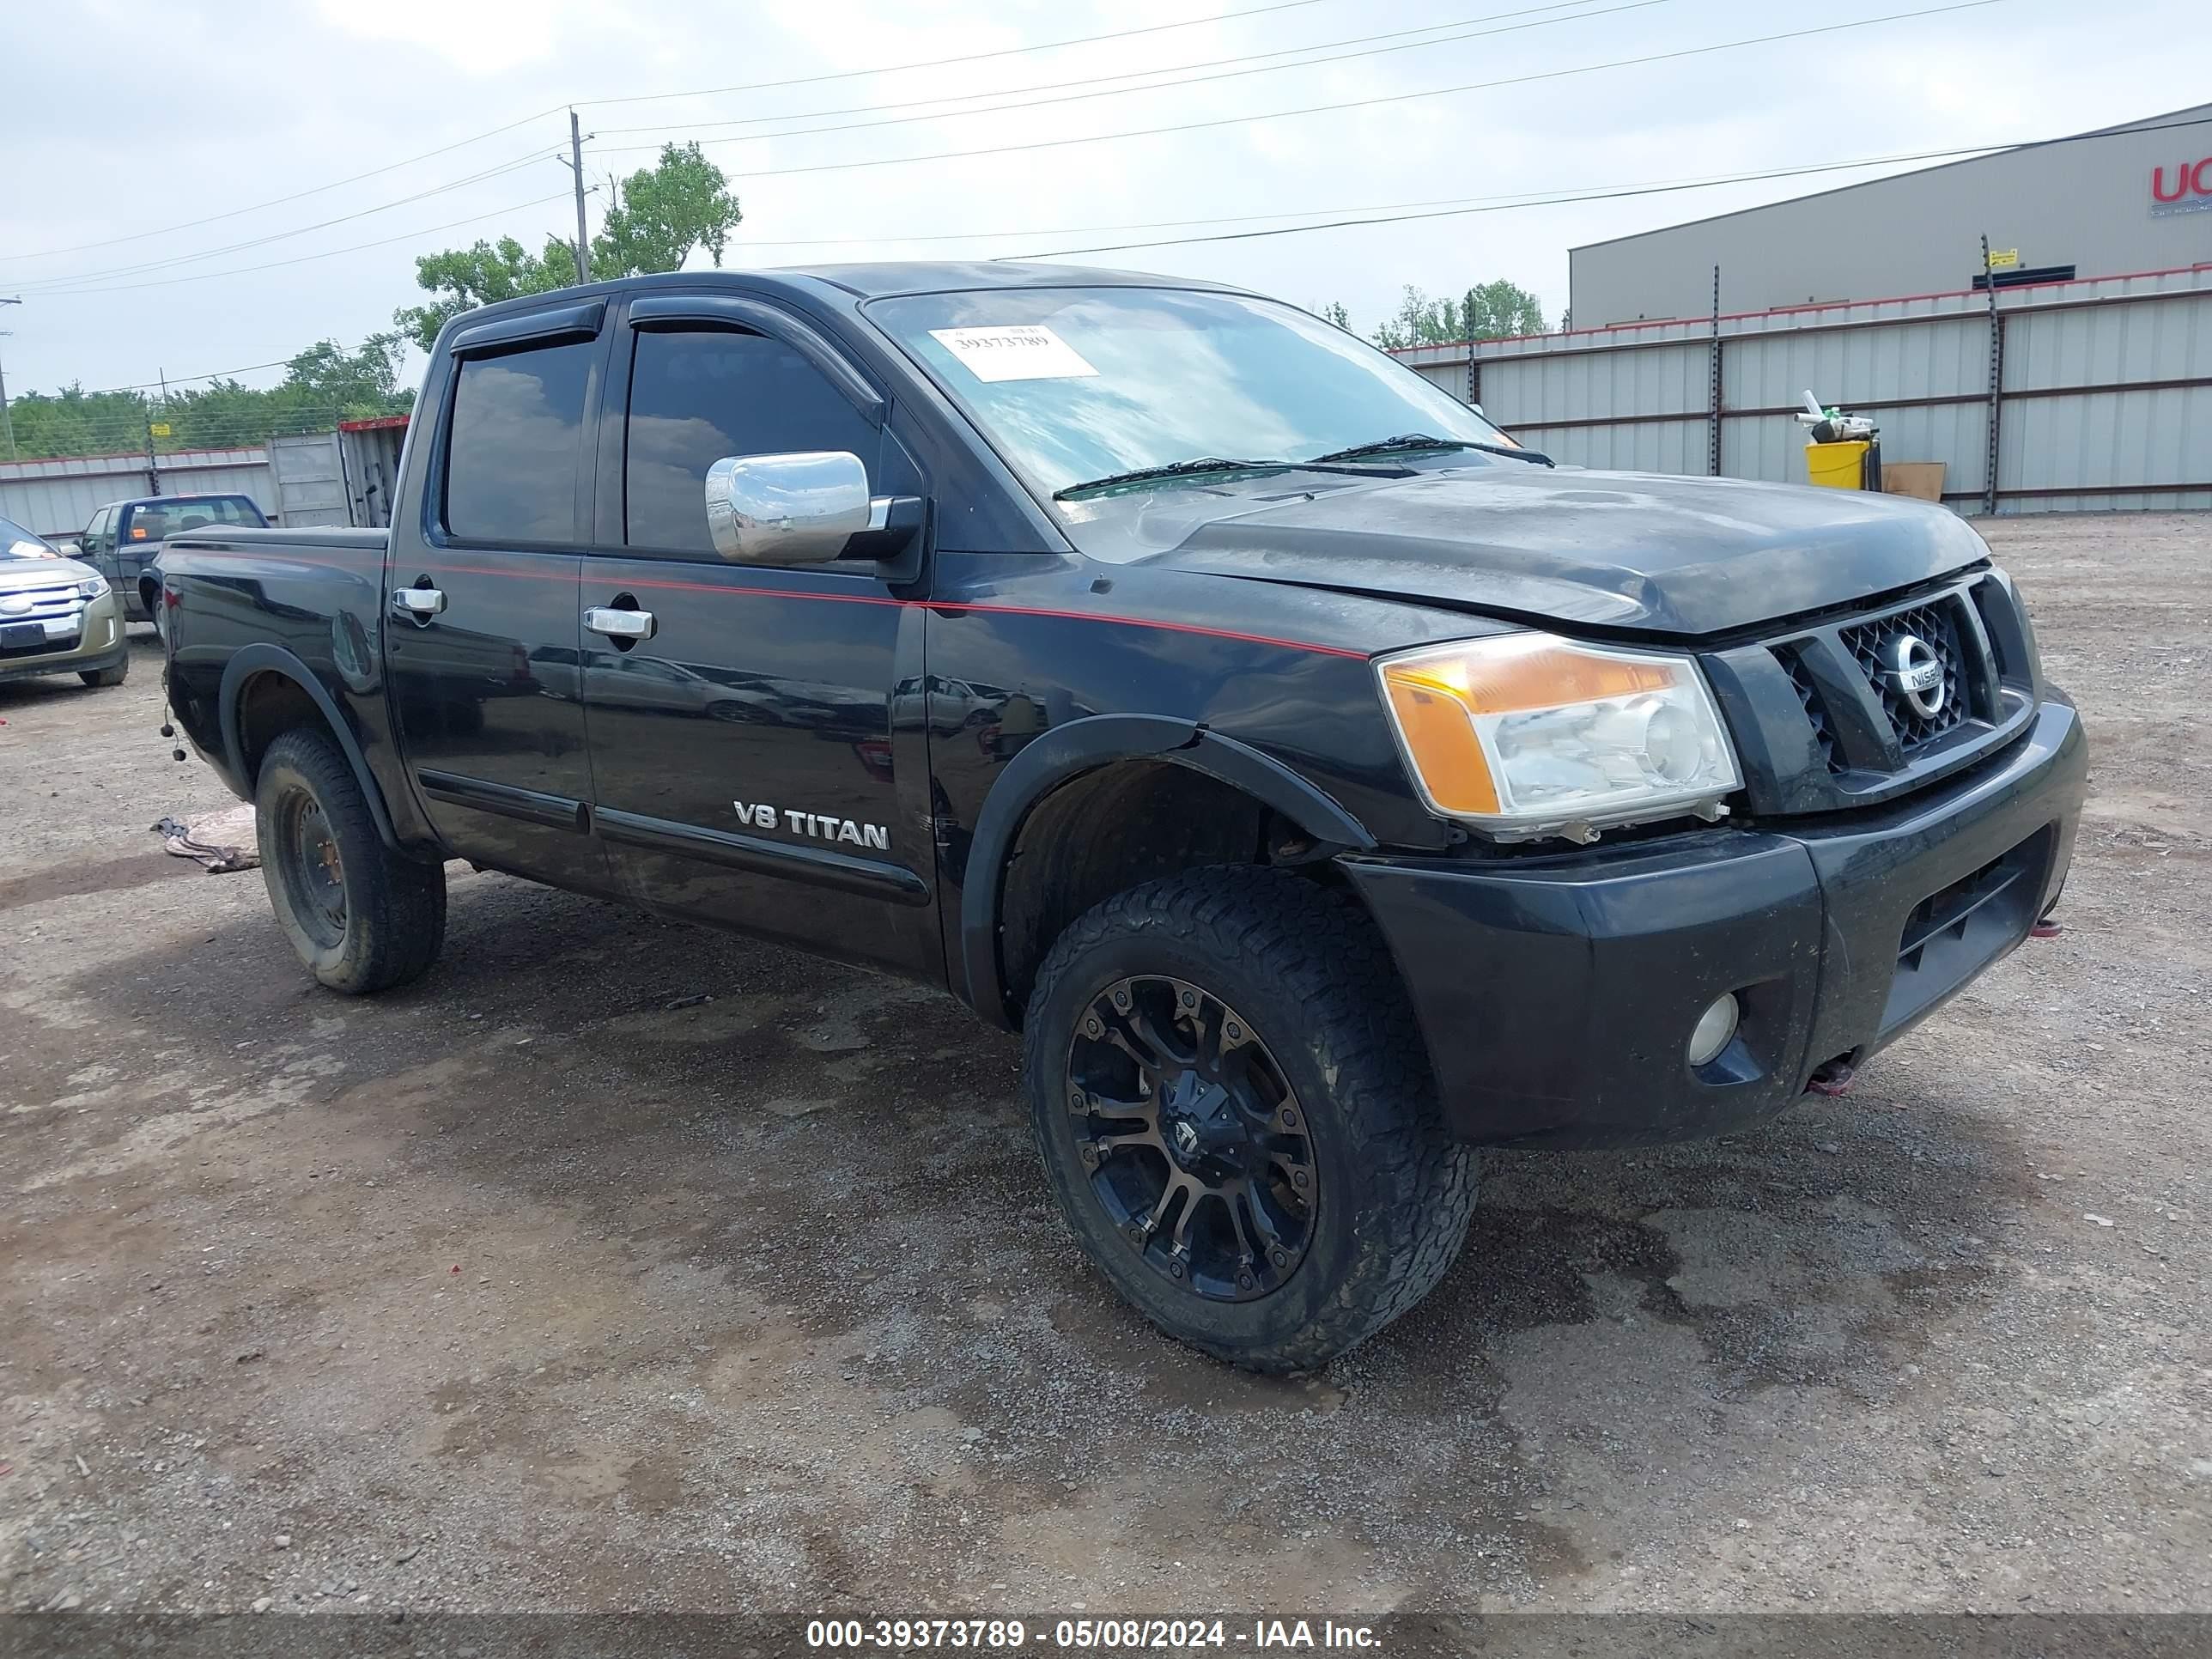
620	624
420	603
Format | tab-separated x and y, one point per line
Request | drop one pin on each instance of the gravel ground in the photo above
528	1288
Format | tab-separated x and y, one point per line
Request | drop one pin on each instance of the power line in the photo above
1531	198
1092	80
1667	187
306	259
173	261
50	284
1360	103
941	62
279	201
658	97
187	380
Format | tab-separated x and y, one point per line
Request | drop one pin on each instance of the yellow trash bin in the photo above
1838	466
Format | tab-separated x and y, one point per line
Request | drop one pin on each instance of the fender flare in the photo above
256	659
1084	746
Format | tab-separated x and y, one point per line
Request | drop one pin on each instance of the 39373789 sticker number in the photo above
1022	351
898	1635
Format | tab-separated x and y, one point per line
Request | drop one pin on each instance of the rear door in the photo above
481	625
746	765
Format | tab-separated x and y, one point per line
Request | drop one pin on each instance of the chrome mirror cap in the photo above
798	508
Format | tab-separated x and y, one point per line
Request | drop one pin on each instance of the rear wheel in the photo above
363	918
1235	1110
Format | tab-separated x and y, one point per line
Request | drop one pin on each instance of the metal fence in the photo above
58	497
2064	396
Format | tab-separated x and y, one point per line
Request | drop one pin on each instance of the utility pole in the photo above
576	167
7	426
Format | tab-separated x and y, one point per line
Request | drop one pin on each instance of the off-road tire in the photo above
394	907
1307	969
114	676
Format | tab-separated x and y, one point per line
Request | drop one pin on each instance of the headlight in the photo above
1530	735
93	586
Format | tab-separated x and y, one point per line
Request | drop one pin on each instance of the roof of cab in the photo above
874	281
856	282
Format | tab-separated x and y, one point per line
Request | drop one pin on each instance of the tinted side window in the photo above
512	458
696	398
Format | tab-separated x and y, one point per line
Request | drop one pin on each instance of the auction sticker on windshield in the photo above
1025	351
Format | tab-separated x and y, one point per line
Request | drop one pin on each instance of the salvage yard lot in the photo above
544	1283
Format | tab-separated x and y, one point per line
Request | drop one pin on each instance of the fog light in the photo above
1714	1029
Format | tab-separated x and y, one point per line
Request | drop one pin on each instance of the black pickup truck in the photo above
1323	784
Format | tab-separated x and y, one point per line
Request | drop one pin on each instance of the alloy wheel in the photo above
1193	1139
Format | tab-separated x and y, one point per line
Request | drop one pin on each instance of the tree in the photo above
365	379
1420	321
656	219
1489	311
1494	311
659	215
1333	311
481	275
322	386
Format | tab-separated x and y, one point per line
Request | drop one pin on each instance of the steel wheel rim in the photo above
314	874
1192	1139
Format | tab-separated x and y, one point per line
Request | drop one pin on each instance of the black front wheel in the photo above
361	917
1236	1113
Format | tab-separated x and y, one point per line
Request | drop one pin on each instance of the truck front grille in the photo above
1816	712
1824	717
1937	624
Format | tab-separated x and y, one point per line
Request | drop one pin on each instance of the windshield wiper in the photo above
1172	470
1410	440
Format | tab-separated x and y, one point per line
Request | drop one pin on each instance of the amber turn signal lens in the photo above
1436	726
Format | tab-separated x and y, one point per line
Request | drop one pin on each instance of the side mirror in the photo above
811	507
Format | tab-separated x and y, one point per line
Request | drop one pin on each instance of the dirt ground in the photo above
541	1284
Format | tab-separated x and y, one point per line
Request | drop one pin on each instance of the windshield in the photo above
1078	384
149	521
17	543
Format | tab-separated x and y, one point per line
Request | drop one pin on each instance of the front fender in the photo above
1083	745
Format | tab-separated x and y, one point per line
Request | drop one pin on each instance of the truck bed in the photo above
288	608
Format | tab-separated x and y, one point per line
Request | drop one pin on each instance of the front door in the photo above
746	766
482	621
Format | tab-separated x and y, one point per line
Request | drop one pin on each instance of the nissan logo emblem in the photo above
1910	668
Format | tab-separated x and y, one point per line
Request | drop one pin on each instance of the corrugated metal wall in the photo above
2107	390
59	498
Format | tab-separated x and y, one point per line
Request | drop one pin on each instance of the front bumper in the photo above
98	642
1556	993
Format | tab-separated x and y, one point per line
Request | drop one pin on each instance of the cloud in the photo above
255	100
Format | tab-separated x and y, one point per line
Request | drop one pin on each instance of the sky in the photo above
153	143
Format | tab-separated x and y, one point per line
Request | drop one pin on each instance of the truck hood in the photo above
1633	551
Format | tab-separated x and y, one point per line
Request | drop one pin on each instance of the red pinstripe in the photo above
954	606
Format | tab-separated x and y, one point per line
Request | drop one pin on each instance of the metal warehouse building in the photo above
2135	197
